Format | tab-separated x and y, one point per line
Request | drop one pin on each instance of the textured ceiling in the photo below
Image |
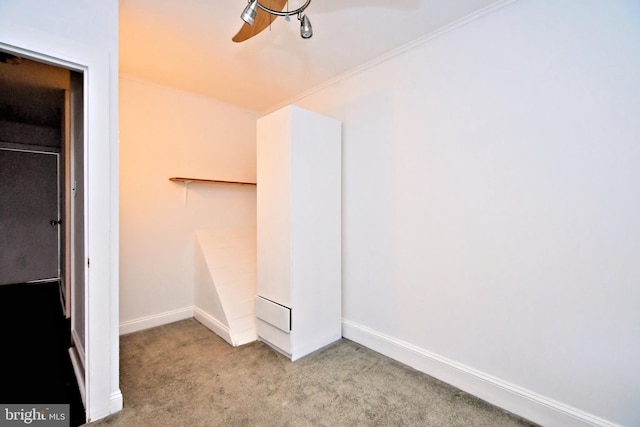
187	44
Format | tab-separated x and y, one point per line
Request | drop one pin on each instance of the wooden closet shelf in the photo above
210	181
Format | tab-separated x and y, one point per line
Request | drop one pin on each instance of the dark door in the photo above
29	216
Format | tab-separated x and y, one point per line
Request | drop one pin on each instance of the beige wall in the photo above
165	133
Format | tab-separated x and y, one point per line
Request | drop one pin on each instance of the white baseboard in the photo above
78	347
152	321
522	402
213	324
116	402
244	337
142	323
78	370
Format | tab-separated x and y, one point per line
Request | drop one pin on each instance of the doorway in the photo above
42	203
95	301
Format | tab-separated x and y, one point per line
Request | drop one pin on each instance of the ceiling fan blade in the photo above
262	21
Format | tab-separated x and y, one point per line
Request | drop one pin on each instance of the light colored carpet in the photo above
182	374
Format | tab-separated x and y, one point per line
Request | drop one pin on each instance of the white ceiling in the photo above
187	44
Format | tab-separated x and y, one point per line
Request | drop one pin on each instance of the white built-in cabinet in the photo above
298	306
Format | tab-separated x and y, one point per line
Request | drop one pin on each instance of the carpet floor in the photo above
182	374
36	366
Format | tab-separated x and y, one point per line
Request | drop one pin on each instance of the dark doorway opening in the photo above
43	307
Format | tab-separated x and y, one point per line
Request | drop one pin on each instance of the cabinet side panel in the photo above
273	207
315	231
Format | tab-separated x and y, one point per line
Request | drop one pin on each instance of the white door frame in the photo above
101	345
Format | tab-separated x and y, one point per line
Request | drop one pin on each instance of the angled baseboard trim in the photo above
213	324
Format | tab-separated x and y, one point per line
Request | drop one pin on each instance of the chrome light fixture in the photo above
305	27
249	16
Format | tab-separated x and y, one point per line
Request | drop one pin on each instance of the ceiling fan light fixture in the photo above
306	31
265	18
249	13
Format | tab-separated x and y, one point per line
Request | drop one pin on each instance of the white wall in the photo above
83	35
491	190
165	133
